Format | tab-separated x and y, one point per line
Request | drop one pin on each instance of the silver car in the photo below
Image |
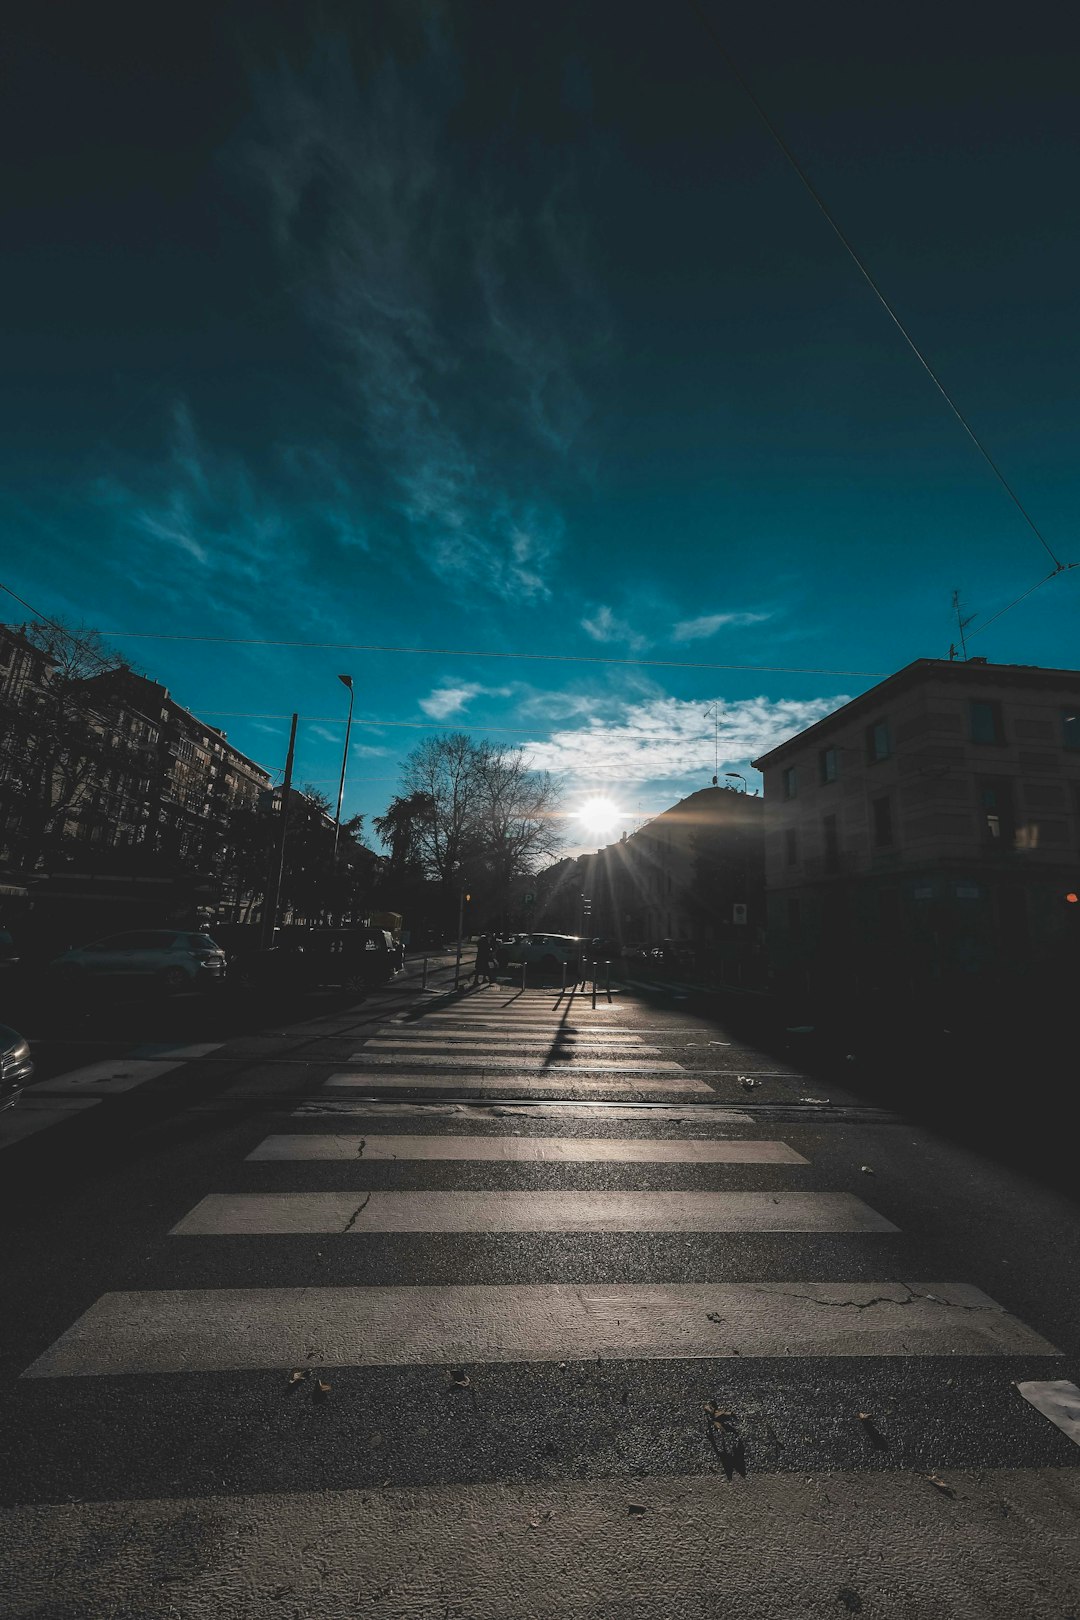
16	1066
548	951
174	960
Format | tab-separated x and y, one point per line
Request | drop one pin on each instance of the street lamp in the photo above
346	680
740	777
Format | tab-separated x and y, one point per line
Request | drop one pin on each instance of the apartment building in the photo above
196	779
927	834
693	874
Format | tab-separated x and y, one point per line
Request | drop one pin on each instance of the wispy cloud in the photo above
209	534
709	623
447	303
604	625
446	701
665	739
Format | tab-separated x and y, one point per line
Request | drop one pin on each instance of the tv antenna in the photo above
714	711
961	625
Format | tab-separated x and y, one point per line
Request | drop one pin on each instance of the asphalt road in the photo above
496	1305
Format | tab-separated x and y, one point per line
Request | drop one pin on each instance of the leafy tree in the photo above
399	830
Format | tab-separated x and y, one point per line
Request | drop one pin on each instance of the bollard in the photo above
423	984
607	979
594	984
562	988
524	969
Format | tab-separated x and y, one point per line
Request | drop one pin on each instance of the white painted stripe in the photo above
555	1026
1004	1545
274	1214
34	1114
1057	1400
383	1107
464	1060
560	1079
493	1047
427	1021
214	1329
111	1075
182	1054
526	1149
103	1079
505	1043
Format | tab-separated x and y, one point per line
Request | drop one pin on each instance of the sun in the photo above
599	816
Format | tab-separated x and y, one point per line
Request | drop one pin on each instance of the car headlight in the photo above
13	1056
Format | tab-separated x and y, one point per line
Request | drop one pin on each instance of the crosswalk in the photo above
775	1272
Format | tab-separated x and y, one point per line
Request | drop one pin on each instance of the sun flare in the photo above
599	816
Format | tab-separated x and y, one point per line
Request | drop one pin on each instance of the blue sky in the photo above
508	329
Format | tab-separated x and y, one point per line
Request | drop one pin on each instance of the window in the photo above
986	724
878	742
996	812
1070	727
791	847
832	843
828	765
882	812
790	780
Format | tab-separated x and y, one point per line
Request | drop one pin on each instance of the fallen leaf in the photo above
866	1169
297	1375
866	1417
541	1518
461	1379
324	1389
940	1485
635	1510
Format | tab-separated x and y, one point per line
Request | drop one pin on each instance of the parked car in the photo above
354	958
173	959
548	951
16	1066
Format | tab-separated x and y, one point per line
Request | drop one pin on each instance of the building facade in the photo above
925	837
197	783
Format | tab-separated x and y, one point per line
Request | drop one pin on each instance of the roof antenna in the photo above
962	625
714	710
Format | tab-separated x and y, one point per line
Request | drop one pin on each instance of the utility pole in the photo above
462	897
274	895
346	680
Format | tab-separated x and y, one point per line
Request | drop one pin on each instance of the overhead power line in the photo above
714	33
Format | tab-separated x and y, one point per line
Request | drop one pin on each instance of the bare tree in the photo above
474	806
517	817
57	731
442	772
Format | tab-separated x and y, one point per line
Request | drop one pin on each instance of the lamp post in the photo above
346	680
740	777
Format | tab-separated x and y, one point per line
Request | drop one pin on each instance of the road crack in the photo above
913	1296
356	1212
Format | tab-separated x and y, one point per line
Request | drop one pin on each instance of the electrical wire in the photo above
994	617
714	33
444	652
